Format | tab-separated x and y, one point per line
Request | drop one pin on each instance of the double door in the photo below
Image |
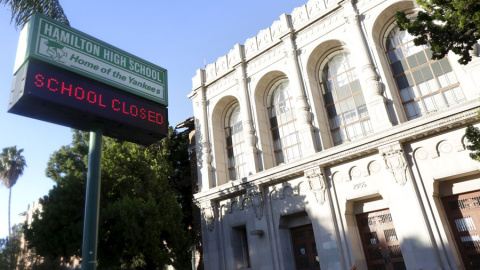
379	240
463	213
304	248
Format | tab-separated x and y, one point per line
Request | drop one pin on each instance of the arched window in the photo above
424	85
235	143
344	101
282	123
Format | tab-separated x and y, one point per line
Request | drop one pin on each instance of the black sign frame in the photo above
45	92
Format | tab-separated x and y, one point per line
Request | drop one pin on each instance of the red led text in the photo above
88	96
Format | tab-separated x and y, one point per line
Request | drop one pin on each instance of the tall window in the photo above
235	143
425	85
282	123
344	101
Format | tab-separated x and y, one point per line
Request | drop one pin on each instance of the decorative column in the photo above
204	156
302	109
371	87
250	151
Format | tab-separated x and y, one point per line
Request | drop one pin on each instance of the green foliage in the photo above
13	256
141	221
70	161
12	164
473	136
10	248
447	25
22	10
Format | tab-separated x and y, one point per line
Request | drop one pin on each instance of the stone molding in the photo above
221	85
252	198
208	214
436	122
317	184
395	162
282	193
256	200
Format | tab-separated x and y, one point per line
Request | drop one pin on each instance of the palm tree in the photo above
12	164
22	10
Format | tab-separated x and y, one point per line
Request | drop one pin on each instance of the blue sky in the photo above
179	36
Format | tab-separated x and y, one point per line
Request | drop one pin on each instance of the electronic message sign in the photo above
49	41
45	92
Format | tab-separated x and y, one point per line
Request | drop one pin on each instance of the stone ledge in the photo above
432	123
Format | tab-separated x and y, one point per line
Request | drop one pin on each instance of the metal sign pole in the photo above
92	199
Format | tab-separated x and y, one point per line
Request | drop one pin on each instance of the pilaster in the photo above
303	114
405	205
250	151
322	214
204	156
371	87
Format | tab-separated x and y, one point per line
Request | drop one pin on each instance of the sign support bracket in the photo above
92	199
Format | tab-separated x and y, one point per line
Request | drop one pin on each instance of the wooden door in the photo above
304	248
379	240
463	213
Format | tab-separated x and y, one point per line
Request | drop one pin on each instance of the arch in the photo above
222	212
464	142
373	167
235	142
343	97
443	147
302	187
383	20
314	62
421	85
330	107
262	94
220	109
354	173
420	154
338	177
378	29
274	194
245	203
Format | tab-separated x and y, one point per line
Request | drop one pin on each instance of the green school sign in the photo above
49	41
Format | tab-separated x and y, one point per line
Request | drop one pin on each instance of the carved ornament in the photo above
317	184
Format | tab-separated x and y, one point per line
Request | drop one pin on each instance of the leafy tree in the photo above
10	249
174	151
13	255
140	223
448	25
22	10
12	164
473	136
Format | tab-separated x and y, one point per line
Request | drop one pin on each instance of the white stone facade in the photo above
402	162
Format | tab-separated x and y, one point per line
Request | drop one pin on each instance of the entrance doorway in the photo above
379	240
305	248
463	213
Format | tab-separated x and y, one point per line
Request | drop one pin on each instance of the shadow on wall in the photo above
296	232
